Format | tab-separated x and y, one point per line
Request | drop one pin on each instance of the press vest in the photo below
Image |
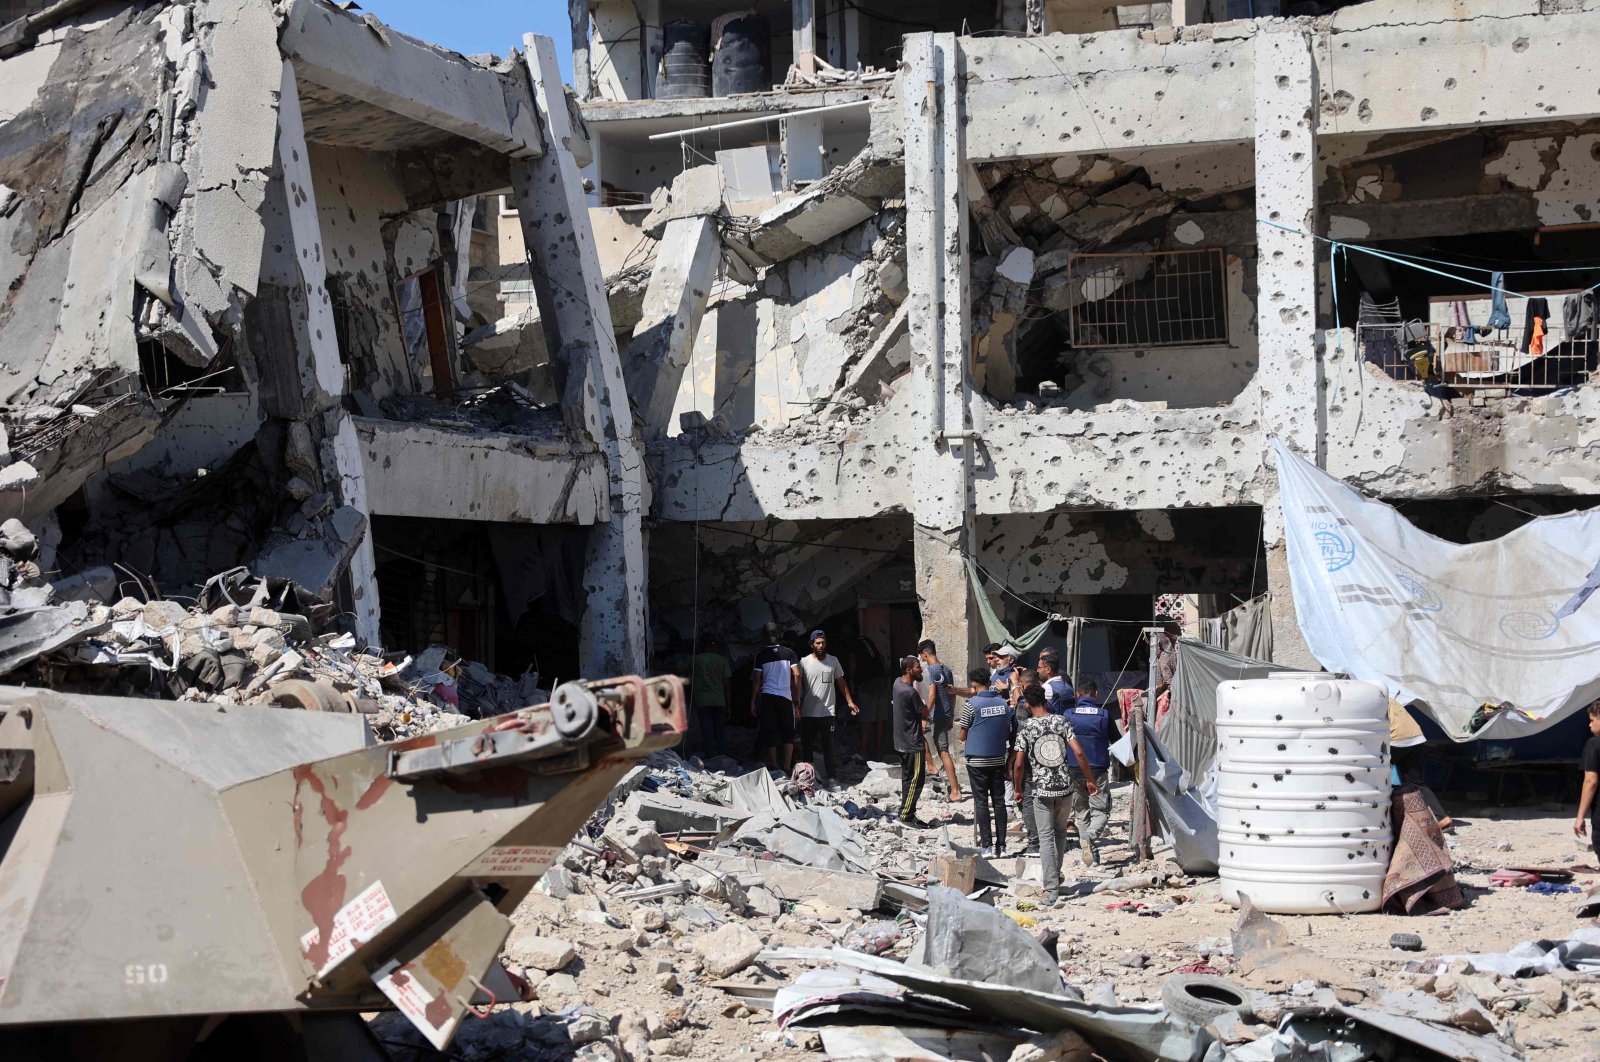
990	732
1092	724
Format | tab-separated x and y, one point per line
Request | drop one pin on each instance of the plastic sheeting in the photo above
1189	728
1507	622
976	942
1187	816
996	631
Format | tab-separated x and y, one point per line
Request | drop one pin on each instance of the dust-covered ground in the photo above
681	975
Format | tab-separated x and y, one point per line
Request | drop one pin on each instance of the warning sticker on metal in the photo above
512	861
398	983
355	923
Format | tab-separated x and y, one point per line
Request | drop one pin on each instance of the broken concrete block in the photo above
537	952
728	950
558	992
91	584
764	903
1017	266
796	883
18	476
1063	1046
674	814
632	839
587	1028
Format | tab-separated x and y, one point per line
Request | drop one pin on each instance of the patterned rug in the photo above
1421	878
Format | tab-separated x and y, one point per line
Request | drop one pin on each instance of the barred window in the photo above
1149	298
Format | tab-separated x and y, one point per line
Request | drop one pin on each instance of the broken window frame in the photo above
1209	329
431	308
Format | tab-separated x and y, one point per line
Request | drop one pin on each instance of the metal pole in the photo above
1143	846
776	116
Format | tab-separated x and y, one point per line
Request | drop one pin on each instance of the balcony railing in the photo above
1481	363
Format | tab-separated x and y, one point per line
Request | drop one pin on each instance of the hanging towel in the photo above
1537	310
1499	316
1536	344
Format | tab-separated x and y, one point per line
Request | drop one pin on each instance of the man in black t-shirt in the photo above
1588	809
909	724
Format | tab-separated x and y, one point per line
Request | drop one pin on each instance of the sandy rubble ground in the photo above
630	980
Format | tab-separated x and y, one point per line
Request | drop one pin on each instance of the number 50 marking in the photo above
139	973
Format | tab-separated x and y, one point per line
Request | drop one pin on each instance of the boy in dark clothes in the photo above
1587	808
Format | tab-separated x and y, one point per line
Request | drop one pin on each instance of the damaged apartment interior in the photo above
347	372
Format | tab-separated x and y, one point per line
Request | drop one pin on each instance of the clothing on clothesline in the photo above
1499	315
1535	325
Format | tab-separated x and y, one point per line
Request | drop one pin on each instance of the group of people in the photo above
1030	739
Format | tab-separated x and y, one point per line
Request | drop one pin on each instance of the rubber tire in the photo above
1405	941
1195	997
317	695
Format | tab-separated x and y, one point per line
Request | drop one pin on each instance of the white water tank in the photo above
1303	793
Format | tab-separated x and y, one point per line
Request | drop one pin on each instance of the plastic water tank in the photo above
685	61
743	62
1303	793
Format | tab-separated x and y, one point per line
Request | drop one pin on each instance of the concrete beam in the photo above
419	470
576	317
797	884
941	327
363	59
1436	64
663	340
597	113
1064	94
1384	67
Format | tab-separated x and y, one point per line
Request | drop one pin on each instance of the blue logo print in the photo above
1421	596
1337	550
1529	626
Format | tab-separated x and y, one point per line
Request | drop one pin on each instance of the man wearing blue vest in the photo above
1058	697
986	725
1096	732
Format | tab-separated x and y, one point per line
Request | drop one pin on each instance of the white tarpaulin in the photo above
1505	622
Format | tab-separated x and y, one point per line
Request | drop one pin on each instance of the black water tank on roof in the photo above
685	61
743	62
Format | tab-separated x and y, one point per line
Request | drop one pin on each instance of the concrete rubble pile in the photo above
705	914
245	640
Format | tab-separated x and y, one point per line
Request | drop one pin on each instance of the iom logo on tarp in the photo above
1529	626
1337	549
1422	596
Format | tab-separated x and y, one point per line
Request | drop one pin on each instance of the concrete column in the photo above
940	315
804	18
293	266
577	320
1191	12
1286	286
663	340
578	15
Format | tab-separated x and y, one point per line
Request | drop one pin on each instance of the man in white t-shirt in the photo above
821	682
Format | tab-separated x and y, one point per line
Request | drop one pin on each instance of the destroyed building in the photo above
1038	300
884	351
240	243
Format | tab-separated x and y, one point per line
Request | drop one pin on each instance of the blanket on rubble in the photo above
1421	878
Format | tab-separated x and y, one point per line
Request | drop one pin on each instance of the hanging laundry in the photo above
1499	316
1536	318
